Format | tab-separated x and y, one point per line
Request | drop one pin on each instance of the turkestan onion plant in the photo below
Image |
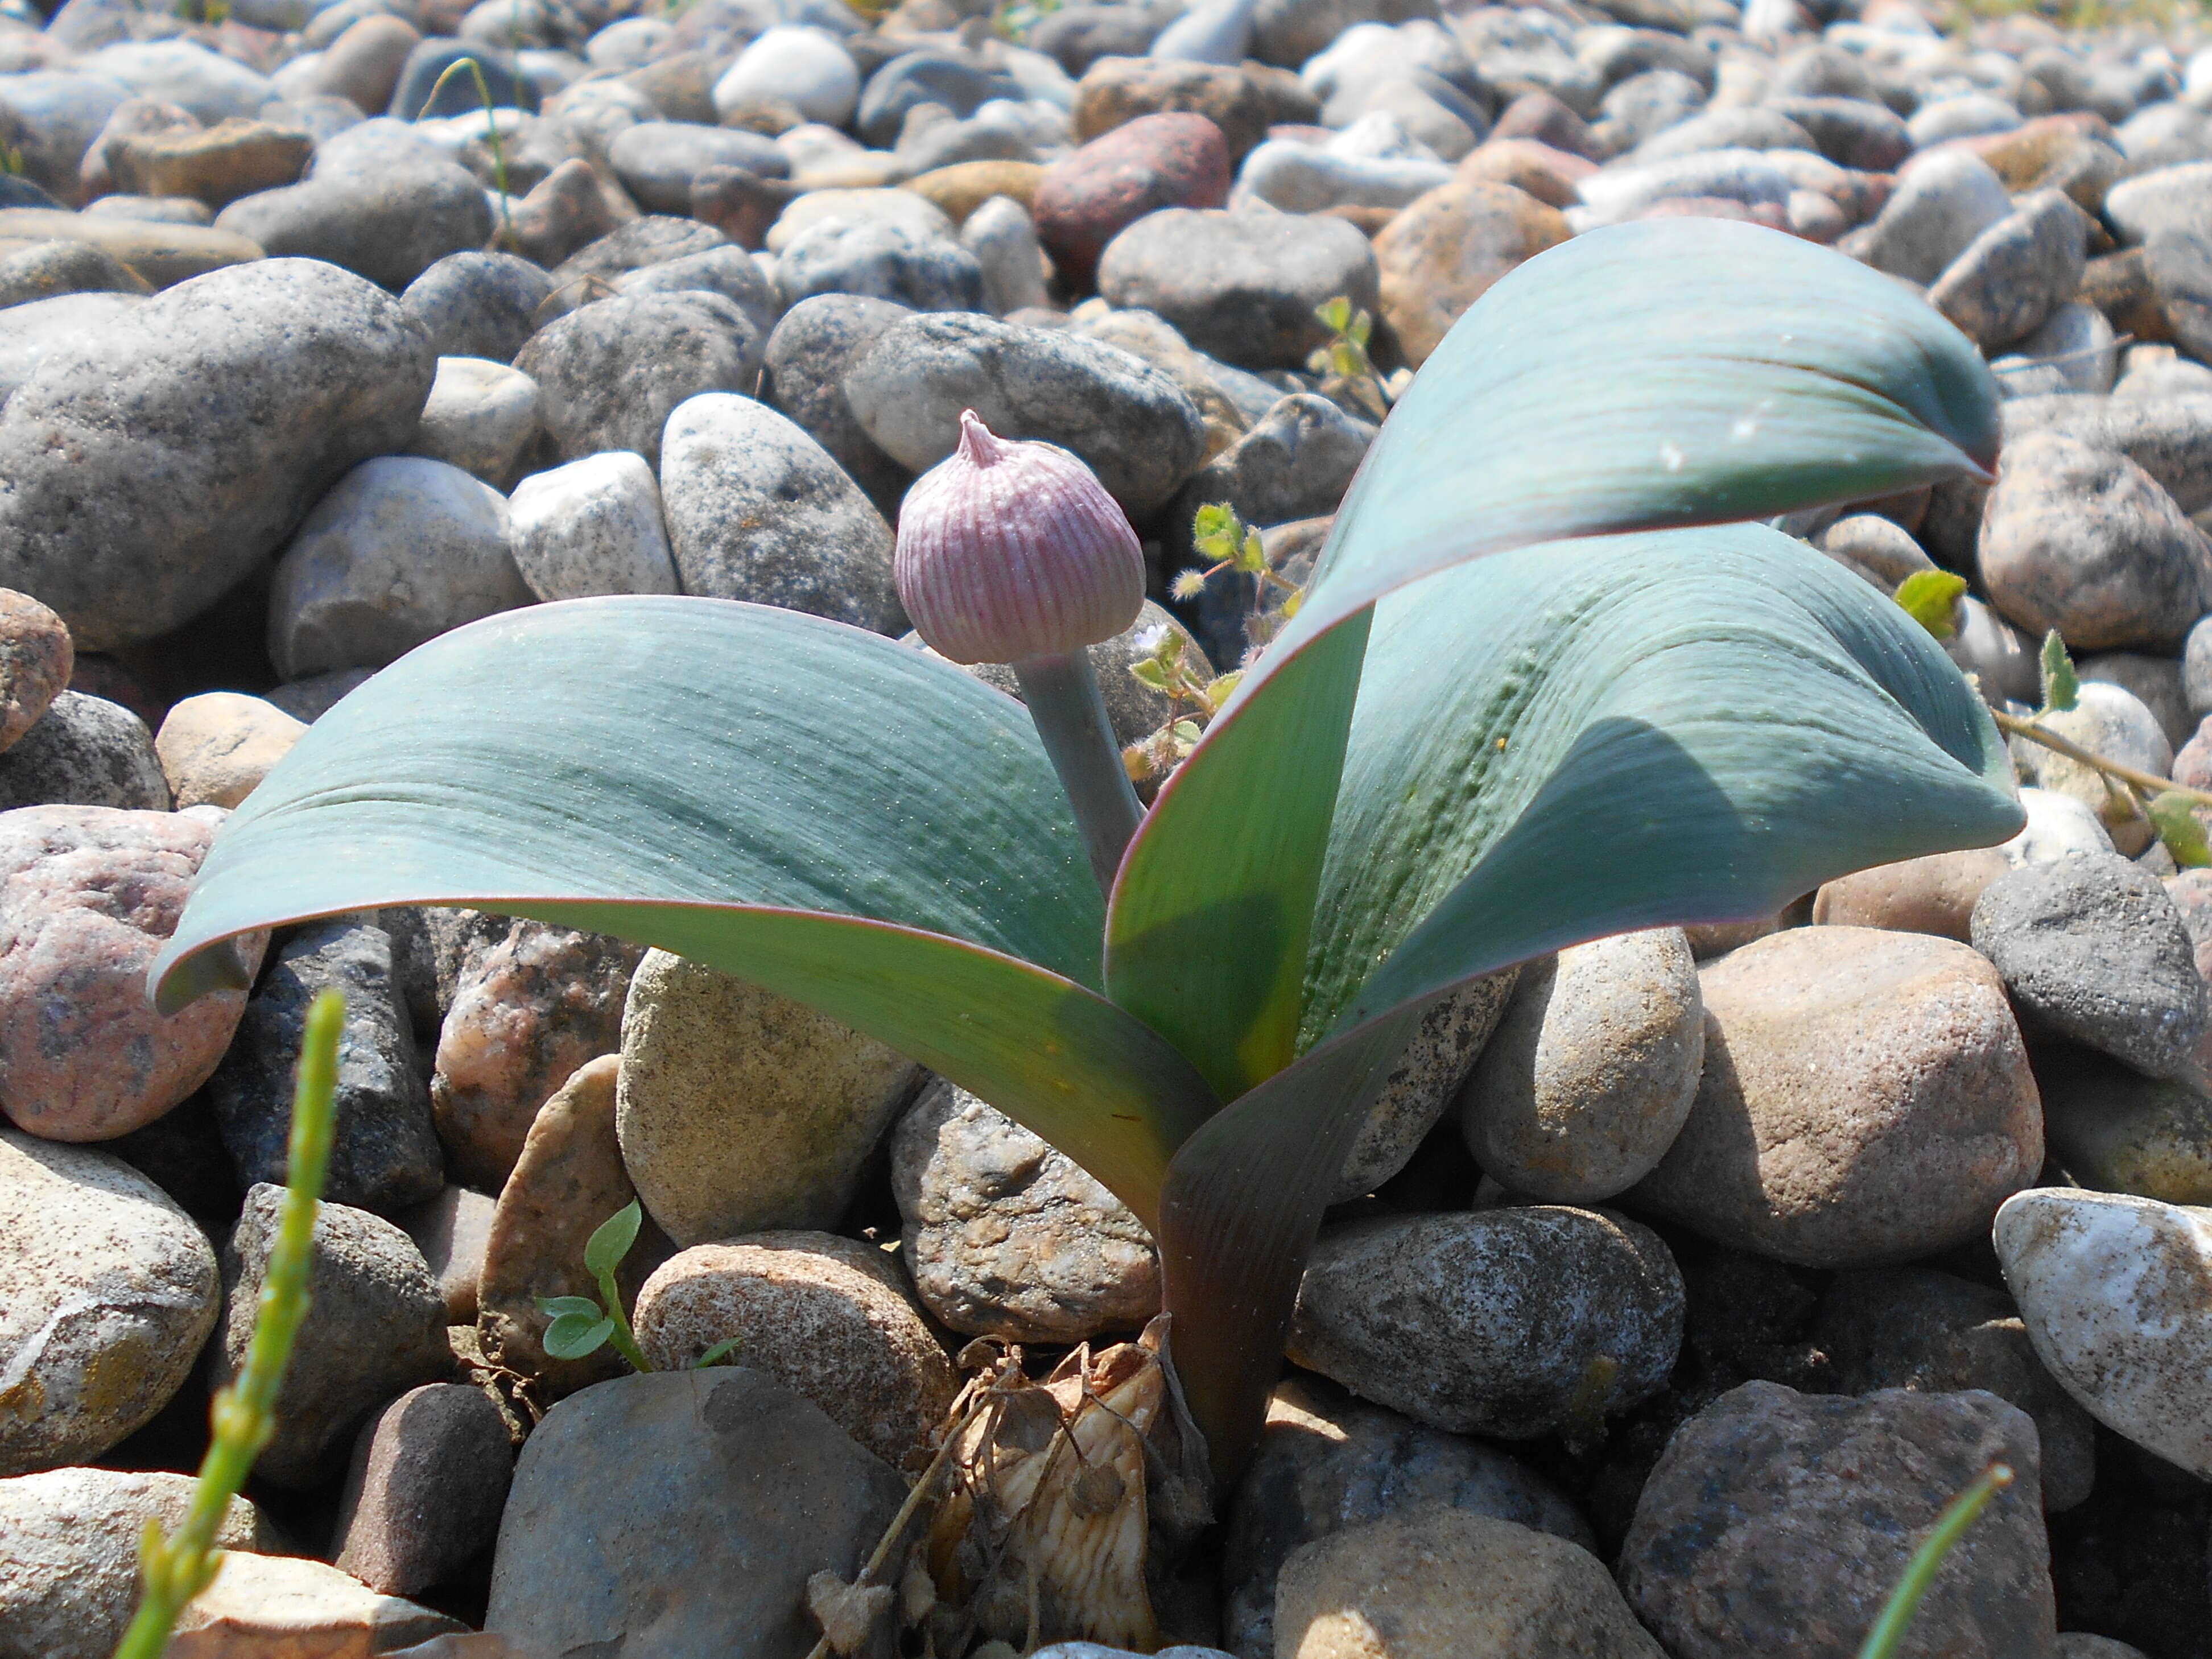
1526	701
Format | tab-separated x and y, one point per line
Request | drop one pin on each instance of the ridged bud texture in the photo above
1008	551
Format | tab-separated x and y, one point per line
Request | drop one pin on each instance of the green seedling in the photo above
1550	679
582	1327
1343	364
244	1416
1887	1637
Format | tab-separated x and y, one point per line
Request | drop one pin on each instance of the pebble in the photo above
1932	895
829	1318
591	526
2012	277
401	550
1243	102
881	259
1419	1088
2112	1288
2094	949
424	1493
212	87
692	1507
1240	287
959	85
2166	199
2081	538
1296	462
1006	1237
35	660
220	411
817	342
375	1325
1512	1323
1174	159
2073	350
69	1553
1130	422
288	1604
85	751
1327	1462
1930	1331
481	418
805	68
2108	720
364	64
215	748
452	1231
107	1292
2058	827
1592	1070
728	271
478	305
569	1180
383	1151
1437	1582
523	1016
1780	1521
1298	178
87	896
1003	238
2155	682
1445	250
612	372
756	510
418	95
2111	1128
1865	1100
217	165
741	1112
58	113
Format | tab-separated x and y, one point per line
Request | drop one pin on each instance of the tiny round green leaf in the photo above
572	1336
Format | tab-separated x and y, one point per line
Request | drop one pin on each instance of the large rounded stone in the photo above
153	464
1006	1237
215	748
481	418
107	1291
882	259
1082	202
1437	1582
1240	287
1932	895
1129	421
756	510
478	305
1865	1100
828	1317
1780	1522
609	373
812	347
681	1514
592	527
87	897
403	549
1513	1322
68	1553
2017	272
1591	1073
1442	252
2113	1289
739	1111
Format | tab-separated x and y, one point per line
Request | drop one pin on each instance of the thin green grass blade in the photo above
1666	373
840	818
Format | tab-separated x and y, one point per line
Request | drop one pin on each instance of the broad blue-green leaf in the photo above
838	818
1664	373
1682	725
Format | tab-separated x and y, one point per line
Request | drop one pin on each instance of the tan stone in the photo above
1550	175
1866	1100
163	254
1437	1582
36	659
1442	252
1932	895
959	190
217	747
285	1607
828	1317
217	165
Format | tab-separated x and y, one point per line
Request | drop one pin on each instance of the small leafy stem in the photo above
491	138
582	1327
1343	364
176	1569
2169	807
1887	1635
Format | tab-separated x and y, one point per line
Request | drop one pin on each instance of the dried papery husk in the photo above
1072	1499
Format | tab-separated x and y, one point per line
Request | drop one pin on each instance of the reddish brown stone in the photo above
1540	116
1243	102
1173	160
423	1494
1550	175
1444	250
35	661
740	205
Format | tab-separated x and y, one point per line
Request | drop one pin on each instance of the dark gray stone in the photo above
1852	132
2094	949
153	464
960	84
758	510
1078	36
383	1151
2017	272
1943	202
1327	1462
813	347
883	259
1295	463
657	160
84	751
478	305
411	99
609	373
1240	287
423	1494
1128	421
591	272
375	1326
728	271
2179	264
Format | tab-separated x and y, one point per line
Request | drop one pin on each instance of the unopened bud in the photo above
1009	551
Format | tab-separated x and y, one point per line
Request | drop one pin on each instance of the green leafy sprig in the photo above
582	1327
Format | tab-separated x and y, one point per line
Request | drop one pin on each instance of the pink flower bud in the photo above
1008	551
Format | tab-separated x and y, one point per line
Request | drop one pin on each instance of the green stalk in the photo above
245	1414
623	1338
1888	1632
1064	701
491	136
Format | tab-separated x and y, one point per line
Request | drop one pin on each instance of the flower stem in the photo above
245	1414
1063	698
2111	769
1883	1641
